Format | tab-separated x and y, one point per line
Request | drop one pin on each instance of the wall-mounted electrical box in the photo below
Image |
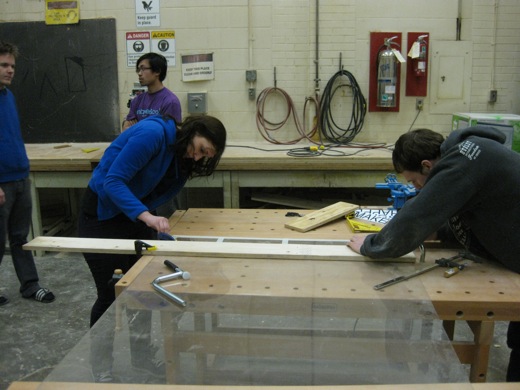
450	87
197	103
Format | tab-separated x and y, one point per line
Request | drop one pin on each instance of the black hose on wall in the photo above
329	128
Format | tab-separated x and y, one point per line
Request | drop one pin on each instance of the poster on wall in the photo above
197	67
163	42
61	12
147	13
137	44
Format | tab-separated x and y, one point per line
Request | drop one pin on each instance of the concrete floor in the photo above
36	336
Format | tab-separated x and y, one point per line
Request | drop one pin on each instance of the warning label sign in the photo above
141	42
137	43
163	42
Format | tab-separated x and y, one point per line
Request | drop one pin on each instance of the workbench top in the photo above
263	156
69	156
237	157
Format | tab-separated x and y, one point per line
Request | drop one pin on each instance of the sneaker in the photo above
104	377
154	367
3	300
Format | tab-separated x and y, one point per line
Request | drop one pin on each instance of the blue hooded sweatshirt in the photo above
133	166
14	164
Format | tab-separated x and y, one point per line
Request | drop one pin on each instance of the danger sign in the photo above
137	43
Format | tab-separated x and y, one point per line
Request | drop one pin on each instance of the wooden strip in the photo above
205	249
131	274
322	216
129	386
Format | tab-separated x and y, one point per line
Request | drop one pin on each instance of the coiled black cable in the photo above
329	128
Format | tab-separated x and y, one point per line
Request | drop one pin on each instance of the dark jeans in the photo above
15	221
513	342
102	267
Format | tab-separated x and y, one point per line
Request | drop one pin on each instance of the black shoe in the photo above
152	367
104	377
3	300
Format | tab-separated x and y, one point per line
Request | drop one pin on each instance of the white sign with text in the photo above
147	13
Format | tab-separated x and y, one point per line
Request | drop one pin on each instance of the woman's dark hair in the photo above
158	63
415	146
204	126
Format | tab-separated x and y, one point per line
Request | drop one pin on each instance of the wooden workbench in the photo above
60	165
69	166
479	295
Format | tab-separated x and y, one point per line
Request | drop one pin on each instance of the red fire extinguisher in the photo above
420	62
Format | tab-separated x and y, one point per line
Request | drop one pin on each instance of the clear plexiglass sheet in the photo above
145	338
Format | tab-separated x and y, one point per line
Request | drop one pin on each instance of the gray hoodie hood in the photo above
460	135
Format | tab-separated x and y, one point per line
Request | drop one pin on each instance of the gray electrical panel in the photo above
197	103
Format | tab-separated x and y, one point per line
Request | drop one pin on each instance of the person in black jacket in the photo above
466	182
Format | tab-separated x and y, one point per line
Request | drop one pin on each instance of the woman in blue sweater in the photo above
143	167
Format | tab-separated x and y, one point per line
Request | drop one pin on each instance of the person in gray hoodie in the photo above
466	182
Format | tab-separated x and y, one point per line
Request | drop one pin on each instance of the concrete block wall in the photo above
496	55
268	34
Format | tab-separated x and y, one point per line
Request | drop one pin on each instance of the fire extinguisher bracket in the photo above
417	66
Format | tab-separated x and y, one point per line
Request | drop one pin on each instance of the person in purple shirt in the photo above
158	100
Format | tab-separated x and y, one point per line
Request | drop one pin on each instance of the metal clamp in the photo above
140	245
179	273
453	263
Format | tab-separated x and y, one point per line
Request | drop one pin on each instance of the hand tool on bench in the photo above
453	263
179	273
165	236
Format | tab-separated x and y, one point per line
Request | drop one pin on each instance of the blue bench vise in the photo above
399	192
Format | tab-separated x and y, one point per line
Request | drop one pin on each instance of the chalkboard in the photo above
65	82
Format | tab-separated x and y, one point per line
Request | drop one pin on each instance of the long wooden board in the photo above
322	216
129	386
205	249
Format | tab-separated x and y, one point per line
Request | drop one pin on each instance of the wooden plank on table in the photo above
322	216
205	249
